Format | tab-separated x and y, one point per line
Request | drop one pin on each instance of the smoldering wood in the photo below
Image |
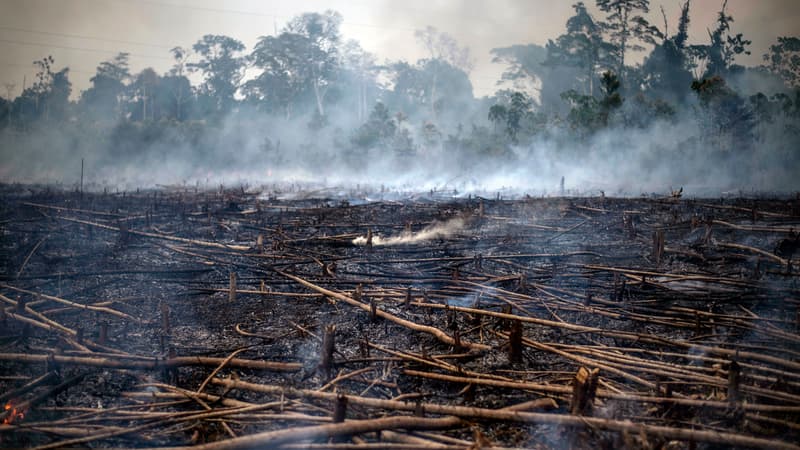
678	319
232	288
515	342
327	349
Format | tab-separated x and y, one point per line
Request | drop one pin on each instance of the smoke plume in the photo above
438	230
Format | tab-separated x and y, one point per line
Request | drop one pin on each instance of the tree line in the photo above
573	87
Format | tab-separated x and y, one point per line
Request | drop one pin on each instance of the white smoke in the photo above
434	231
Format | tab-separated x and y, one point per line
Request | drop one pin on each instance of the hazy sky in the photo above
81	33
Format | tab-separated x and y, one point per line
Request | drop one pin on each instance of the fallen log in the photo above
272	439
437	333
102	309
604	393
473	413
239	248
126	362
634	337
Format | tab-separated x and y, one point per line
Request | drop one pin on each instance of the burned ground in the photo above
181	317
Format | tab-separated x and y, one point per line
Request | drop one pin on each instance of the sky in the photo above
81	33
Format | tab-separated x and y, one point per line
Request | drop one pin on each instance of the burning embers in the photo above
11	414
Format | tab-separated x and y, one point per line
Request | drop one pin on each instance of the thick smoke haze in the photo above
626	162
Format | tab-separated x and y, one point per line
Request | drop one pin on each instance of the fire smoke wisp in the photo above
434	231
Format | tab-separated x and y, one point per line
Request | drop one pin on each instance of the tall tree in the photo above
41	87
178	86
5	113
51	90
282	81
497	115
723	47
525	64
582	47
144	91
588	113
222	66
322	50
666	72
361	65
301	63
627	27
443	48
379	129
518	110
431	85
570	62
105	97
57	102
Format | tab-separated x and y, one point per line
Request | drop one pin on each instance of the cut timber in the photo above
584	389
73	304
327	350
273	439
240	248
515	342
473	413
734	379
232	288
658	245
140	362
439	334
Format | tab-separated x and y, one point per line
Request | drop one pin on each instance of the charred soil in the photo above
242	319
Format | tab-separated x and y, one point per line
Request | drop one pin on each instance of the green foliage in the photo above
522	61
642	111
514	113
50	92
682	36
518	111
666	72
321	49
610	87
379	130
726	118
783	59
431	85
104	99
778	112
222	66
298	66
582	47
529	68
498	115
173	97
5	112
282	82
480	149
115	69
723	47
590	114
441	46
627	27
